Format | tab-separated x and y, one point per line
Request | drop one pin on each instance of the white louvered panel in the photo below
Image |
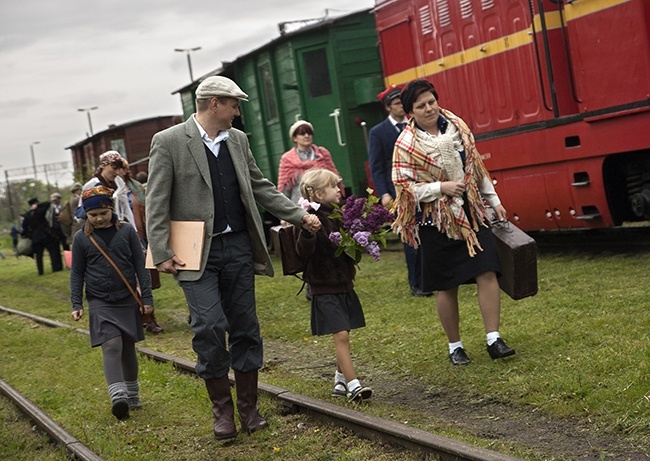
487	4
426	22
466	9
444	18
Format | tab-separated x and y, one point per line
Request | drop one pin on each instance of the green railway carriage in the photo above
329	73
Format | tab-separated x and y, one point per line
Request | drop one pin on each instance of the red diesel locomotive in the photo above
557	93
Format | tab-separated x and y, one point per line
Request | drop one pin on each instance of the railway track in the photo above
618	240
368	426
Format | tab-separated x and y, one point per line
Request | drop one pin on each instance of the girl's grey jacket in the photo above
102	281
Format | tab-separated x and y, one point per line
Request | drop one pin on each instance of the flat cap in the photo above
32	201
55	196
218	85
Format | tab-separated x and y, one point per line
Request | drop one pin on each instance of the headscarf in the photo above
97	197
109	157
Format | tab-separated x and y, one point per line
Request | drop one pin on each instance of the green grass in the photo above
582	351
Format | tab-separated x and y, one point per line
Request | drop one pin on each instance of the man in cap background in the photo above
36	227
52	217
381	143
203	170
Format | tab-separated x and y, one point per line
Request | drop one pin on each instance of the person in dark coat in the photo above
14	237
335	307
381	143
36	228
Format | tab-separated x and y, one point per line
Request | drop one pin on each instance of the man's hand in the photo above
310	223
170	266
146	309
76	315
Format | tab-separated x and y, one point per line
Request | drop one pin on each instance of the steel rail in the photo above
369	426
55	431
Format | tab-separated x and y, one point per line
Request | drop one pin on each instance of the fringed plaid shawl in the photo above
412	166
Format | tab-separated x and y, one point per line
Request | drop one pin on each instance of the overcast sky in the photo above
59	56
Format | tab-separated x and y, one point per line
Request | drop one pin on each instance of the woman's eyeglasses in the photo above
304	131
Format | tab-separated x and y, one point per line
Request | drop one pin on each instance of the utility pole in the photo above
31	150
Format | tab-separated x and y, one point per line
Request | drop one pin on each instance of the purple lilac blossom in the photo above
335	237
373	250
362	238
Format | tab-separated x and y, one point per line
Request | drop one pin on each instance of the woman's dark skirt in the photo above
331	313
446	263
109	320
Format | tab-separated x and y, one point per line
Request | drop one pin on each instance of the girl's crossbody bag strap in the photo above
119	272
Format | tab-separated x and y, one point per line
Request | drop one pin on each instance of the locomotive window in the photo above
268	93
317	70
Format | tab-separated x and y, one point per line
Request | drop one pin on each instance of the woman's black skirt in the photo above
446	263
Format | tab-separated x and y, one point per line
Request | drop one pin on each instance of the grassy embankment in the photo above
582	348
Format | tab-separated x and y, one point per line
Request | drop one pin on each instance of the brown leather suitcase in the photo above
284	245
517	253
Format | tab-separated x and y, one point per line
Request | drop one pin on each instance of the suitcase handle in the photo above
505	225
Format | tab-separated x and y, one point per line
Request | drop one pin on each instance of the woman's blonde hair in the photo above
316	180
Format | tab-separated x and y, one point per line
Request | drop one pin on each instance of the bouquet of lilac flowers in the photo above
364	227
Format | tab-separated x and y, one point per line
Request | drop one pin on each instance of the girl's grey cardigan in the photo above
102	281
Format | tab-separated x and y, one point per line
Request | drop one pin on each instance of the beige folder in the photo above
186	240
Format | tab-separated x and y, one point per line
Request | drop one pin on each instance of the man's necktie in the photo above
400	126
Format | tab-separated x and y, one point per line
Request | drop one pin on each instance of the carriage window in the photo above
268	93
317	70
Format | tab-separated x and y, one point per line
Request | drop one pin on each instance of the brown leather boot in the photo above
249	414
222	407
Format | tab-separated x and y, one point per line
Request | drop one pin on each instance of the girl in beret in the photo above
115	322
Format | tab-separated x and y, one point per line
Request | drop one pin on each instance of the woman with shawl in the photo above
304	156
441	184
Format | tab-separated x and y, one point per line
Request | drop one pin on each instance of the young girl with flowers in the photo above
335	307
115	321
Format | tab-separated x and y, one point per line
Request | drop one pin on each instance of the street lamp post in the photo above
31	150
189	60
87	111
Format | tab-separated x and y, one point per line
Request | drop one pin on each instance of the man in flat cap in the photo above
203	170
381	143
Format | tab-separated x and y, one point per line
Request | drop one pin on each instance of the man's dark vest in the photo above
228	207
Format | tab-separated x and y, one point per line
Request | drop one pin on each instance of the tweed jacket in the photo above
381	143
180	189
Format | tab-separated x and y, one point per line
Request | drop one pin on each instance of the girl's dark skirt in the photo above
109	320
331	313
446	263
